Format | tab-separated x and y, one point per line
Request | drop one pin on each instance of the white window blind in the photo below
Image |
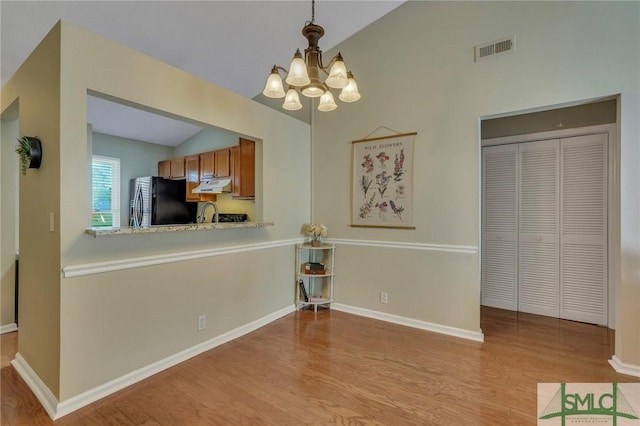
105	191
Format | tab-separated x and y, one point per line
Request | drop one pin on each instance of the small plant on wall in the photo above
29	149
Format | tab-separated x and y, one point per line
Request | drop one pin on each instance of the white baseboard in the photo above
8	328
624	368
37	386
477	336
57	409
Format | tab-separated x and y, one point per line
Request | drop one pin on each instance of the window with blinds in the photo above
105	191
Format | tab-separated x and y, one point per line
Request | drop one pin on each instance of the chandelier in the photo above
304	75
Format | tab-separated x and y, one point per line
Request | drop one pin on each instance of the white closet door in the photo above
583	261
500	226
538	266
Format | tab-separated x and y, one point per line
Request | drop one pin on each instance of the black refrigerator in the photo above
158	201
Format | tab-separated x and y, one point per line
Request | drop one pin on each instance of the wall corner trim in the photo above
8	328
57	409
37	386
476	336
624	368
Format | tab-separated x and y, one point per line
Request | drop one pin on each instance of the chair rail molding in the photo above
406	245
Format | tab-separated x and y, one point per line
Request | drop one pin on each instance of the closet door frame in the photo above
613	202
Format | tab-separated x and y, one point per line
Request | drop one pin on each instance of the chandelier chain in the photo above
313	11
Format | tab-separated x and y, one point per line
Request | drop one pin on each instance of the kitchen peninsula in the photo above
99	231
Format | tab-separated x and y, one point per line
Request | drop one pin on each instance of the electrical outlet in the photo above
202	322
383	297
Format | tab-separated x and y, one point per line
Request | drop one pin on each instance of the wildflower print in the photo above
367	163
365	209
398	165
382	209
382	157
382	180
397	210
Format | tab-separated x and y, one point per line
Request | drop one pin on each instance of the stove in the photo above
232	217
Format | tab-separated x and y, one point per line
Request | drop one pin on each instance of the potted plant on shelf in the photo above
316	231
29	149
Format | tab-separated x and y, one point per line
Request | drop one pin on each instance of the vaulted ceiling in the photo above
233	44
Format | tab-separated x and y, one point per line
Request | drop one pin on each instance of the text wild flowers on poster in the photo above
382	185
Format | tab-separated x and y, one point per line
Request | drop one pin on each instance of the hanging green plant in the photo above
29	149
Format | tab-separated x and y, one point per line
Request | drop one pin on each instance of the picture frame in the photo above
382	182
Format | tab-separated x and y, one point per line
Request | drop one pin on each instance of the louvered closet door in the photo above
583	242
499	226
538	263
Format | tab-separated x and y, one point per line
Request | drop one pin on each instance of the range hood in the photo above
213	186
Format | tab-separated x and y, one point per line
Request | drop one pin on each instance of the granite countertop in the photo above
97	232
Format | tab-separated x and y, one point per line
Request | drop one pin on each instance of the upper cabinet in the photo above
192	166
215	164
223	162
172	169
164	169
243	169
236	162
207	165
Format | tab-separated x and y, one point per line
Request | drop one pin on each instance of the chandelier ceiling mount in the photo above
304	75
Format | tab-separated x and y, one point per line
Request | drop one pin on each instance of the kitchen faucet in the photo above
200	218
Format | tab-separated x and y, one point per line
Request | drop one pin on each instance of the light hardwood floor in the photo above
336	368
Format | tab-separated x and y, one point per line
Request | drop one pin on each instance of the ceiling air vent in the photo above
499	47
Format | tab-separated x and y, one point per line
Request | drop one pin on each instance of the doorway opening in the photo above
9	219
550	212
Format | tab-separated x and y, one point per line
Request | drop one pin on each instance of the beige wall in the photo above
135	317
141	314
416	72
8	218
249	286
37	86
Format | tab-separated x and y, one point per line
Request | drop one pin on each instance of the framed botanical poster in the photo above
382	186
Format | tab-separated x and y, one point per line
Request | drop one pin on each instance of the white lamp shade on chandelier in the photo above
292	100
350	92
338	74
326	102
274	88
304	75
298	75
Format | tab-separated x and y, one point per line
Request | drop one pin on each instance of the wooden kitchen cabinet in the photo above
171	169
243	170
192	166
215	164
207	165
164	169
177	168
223	162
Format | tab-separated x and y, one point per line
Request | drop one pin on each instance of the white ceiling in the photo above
233	44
